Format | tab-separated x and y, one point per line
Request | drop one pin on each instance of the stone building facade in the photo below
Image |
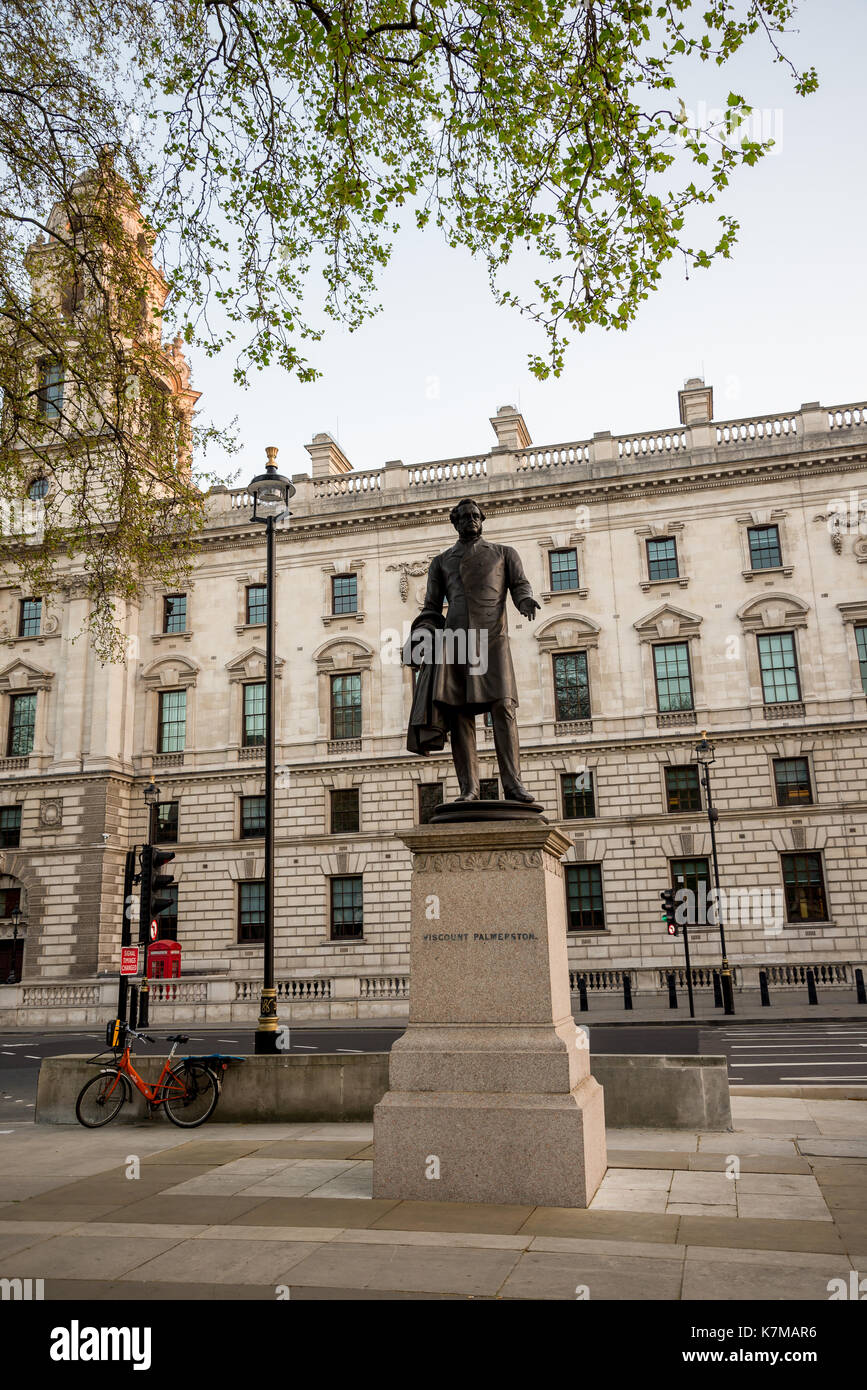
710	575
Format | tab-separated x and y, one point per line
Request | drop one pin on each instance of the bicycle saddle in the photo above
177	1037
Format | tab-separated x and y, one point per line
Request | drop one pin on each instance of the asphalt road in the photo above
793	1052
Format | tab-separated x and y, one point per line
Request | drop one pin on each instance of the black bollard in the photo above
717	991
672	991
133	1006
627	992
582	993
812	996
763	989
861	993
143	1003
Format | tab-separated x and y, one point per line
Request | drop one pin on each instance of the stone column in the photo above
490	1095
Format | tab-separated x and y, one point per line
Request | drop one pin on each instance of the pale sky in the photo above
781	323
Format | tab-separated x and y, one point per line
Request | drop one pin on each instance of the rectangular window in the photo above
346	706
571	686
804	887
579	802
175	613
779	667
10	826
257	604
30	620
861	644
765	547
673	678
49	396
172	721
252	817
10	898
254	715
344	593
167	922
22	726
662	558
691	873
564	569
584	897
792	781
489	789
682	792
251	911
164	827
347	908
430	795
344	811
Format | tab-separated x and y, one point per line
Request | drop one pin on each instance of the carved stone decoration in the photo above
408	569
51	812
484	859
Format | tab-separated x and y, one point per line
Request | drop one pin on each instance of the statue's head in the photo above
467	518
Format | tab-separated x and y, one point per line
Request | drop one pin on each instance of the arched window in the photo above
37	489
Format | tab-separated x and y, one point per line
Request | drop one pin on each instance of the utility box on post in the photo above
164	960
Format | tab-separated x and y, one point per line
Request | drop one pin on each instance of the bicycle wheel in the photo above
100	1099
193	1098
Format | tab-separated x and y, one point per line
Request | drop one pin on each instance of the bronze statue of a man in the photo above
471	669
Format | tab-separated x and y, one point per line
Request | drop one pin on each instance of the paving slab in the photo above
115	1291
315	1211
314	1148
239	1261
656	1179
540	1275
407	1268
674	1140
833	1148
601	1225
779	1184
87	1257
644	1199
706	1188
749	1163
783	1208
455	1240
197	1211
747	1145
703	1209
756	1233
648	1158
454	1216
719	1281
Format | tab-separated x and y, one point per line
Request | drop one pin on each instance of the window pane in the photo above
175	613
662	559
173	721
673	682
251	911
779	667
682	791
578	796
690	873
792	779
765	547
22	724
167	922
254	715
10	898
347	913
31	617
50	393
257	603
489	789
165	826
430	795
584	896
571	686
804	887
344	811
10	826
252	817
346	706
861	644
344	593
564	569
37	489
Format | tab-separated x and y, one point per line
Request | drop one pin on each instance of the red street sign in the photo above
129	960
154	930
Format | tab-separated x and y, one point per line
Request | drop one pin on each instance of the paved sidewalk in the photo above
268	1211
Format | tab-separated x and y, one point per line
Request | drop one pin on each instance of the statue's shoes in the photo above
471	796
519	793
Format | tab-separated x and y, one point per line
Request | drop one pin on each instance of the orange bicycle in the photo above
189	1092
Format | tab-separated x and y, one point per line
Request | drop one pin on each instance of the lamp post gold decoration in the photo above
704	752
271	493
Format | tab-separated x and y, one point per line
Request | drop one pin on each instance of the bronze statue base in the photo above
483	810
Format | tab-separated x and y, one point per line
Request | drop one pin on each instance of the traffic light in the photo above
667	901
154	883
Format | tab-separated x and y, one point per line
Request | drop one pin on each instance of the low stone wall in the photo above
653	1092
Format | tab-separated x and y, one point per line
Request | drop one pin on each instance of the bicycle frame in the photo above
156	1094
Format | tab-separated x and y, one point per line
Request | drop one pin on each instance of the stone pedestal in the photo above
490	1095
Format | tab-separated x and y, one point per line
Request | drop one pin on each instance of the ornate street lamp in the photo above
704	752
271	493
16	914
152	795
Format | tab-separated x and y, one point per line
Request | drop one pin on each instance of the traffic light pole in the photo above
725	972
688	969
126	929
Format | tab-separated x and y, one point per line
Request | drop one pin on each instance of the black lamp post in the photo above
271	493
16	914
704	752
152	795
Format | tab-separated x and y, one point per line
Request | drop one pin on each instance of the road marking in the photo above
32	1057
835	1062
307	1047
357	1050
829	1081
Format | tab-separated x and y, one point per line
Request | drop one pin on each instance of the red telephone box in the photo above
164	960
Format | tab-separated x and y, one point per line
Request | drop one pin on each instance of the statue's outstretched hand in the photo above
528	607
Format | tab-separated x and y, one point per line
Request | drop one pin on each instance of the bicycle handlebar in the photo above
143	1036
